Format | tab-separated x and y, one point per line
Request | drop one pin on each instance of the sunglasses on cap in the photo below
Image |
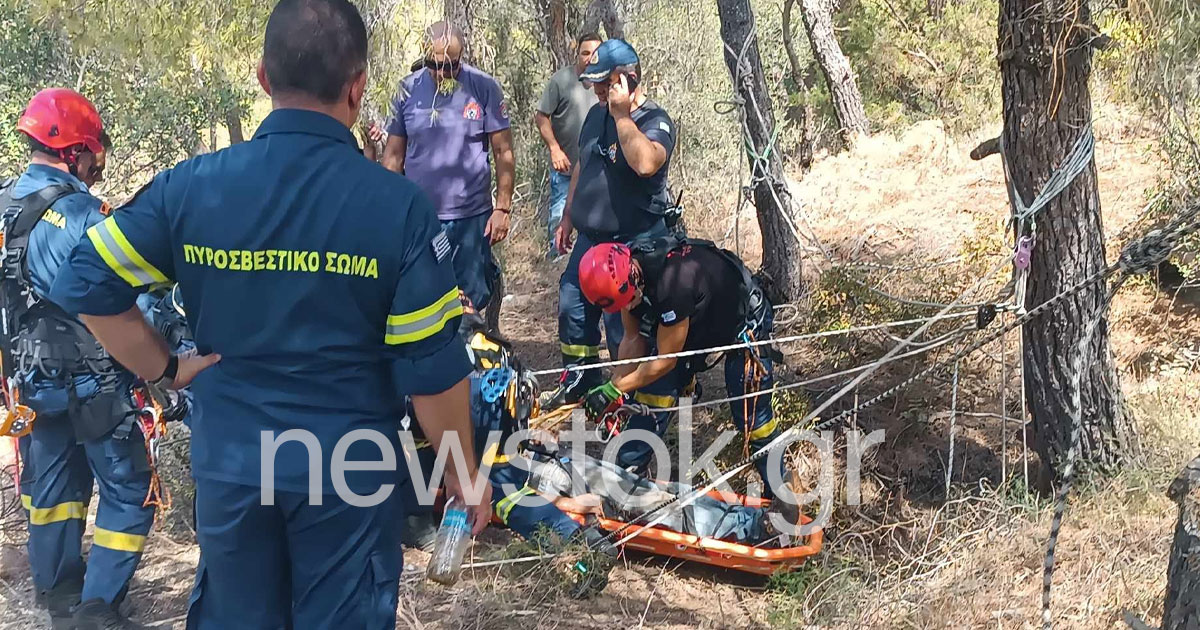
452	65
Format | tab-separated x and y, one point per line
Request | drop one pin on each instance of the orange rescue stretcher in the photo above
719	553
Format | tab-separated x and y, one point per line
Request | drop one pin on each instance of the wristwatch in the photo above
167	380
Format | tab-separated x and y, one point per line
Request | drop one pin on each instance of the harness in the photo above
652	255
36	336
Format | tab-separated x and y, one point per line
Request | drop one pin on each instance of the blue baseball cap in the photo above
609	56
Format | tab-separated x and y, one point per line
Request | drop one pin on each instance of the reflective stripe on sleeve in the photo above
418	325
120	255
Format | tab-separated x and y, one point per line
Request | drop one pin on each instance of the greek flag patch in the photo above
441	246
668	317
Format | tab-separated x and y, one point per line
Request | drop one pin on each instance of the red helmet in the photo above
61	119
604	276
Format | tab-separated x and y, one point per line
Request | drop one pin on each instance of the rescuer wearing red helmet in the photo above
676	294
82	429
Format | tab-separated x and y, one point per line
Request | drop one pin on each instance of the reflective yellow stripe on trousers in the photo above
580	352
505	506
56	514
133	543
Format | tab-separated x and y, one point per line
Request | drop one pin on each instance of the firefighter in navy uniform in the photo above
320	292
676	294
84	428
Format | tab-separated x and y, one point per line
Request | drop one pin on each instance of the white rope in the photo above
1071	167
818	379
764	342
953	429
499	563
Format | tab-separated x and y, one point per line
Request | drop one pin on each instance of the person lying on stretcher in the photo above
606	489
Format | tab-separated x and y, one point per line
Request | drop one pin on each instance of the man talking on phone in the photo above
618	194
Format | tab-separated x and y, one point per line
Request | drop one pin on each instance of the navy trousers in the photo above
57	477
293	564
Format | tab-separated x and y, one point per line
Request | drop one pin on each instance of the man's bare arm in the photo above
670	340
542	122
130	339
558	158
644	155
506	167
632	345
394	152
447	416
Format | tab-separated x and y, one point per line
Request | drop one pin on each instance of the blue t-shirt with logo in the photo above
611	199
447	136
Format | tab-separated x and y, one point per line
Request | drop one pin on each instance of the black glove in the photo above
601	400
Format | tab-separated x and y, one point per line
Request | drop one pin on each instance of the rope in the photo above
811	381
764	342
1071	167
953	428
759	163
910	302
1060	506
1140	256
860	266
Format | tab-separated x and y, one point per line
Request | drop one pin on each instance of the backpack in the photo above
17	220
651	254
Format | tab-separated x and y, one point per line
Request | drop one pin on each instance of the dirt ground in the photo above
911	556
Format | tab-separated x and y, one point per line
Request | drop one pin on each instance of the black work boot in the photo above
60	600
97	614
572	387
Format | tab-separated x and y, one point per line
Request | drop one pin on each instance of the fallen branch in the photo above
987	148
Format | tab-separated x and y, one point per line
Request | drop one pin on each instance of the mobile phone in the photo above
631	80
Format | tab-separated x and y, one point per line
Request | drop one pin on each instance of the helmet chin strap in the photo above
70	155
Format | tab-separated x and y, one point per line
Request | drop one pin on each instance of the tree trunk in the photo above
1046	106
555	15
1181	611
233	122
802	114
847	99
781	250
604	12
461	14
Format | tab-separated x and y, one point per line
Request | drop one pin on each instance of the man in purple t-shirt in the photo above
445	118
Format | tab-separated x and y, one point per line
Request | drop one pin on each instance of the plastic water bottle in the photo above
452	539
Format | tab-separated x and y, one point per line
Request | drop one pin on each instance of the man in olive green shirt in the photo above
565	103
